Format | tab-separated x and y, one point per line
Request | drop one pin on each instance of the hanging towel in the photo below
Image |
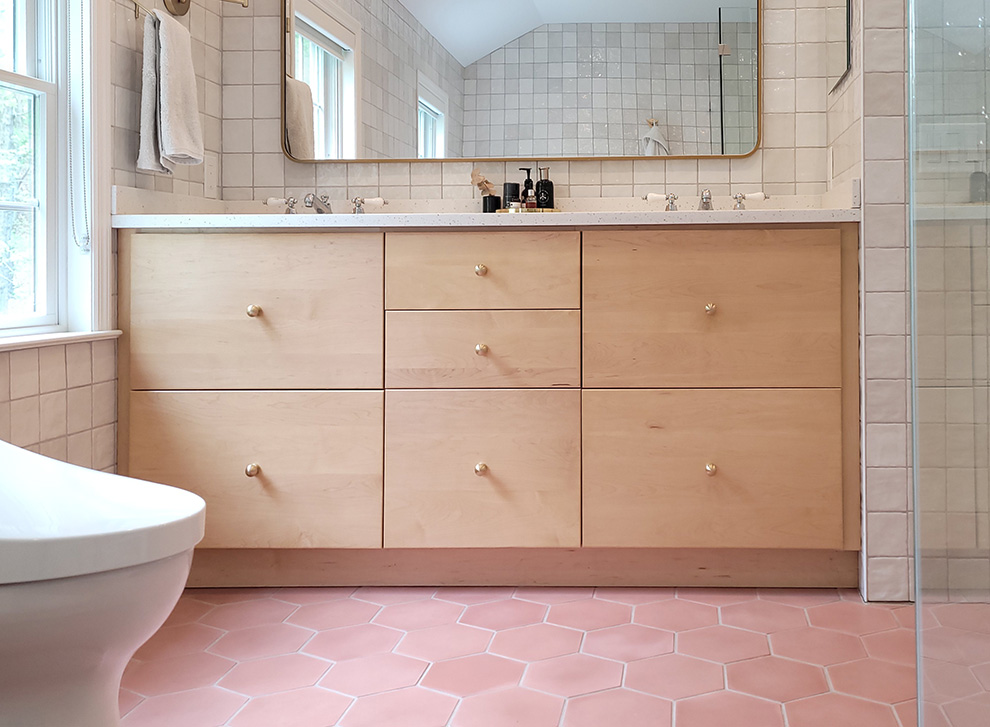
299	133
654	145
149	150
169	88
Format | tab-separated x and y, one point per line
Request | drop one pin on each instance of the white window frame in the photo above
435	99
345	31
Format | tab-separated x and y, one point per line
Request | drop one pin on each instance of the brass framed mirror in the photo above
421	80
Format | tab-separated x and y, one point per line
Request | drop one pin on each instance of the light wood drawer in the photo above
776	319
777	482
480	349
320	453
530	495
429	270
321	320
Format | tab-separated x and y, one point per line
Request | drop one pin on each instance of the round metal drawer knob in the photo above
710	308
253	469
481	349
481	469
481	270
253	311
711	469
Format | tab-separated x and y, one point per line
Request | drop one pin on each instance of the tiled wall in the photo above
587	89
394	47
203	23
885	301
61	401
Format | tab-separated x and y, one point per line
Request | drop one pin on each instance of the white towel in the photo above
168	98
299	133
149	151
654	144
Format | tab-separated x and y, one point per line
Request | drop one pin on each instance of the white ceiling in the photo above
471	29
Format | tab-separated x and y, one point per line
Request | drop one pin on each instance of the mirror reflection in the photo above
447	79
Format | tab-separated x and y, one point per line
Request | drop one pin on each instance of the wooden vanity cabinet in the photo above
257	350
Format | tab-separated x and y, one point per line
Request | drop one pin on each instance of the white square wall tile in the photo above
52	413
4	376
104	360
25	421
78	364
79	449
79	409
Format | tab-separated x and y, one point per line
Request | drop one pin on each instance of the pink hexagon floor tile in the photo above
905	615
896	645
334	614
175	674
277	674
674	676
973	710
419	614
550	595
800	597
966	616
934	717
188	610
948	680
851	617
261	641
820	647
635	596
508	614
514	706
723	644
475	674
204	707
572	675
956	646
873	679
245	614
533	643
353	642
618	707
831	710
717	596
468	595
676	615
177	640
305	596
589	614
127	700
982	674
766	617
373	674
444	642
728	708
410	707
780	680
628	642
390	595
309	707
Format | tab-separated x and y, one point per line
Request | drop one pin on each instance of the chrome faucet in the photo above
706	200
359	203
321	204
671	199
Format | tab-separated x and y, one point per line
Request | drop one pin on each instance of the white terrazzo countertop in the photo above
445	219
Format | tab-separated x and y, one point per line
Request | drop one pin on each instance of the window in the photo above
326	56
320	64
29	271
431	115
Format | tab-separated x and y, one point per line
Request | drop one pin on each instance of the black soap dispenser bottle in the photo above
544	190
528	194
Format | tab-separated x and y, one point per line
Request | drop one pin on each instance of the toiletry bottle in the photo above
544	190
510	195
528	194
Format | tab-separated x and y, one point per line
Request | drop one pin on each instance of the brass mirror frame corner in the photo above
284	27
849	53
178	7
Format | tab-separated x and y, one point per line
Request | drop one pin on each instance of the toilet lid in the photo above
59	520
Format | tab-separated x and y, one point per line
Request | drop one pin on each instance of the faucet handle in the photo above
671	200
739	201
309	199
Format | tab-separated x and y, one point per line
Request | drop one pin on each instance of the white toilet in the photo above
91	564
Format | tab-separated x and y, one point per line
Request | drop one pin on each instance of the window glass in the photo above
429	126
320	64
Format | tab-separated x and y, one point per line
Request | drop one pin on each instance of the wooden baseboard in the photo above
526	567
